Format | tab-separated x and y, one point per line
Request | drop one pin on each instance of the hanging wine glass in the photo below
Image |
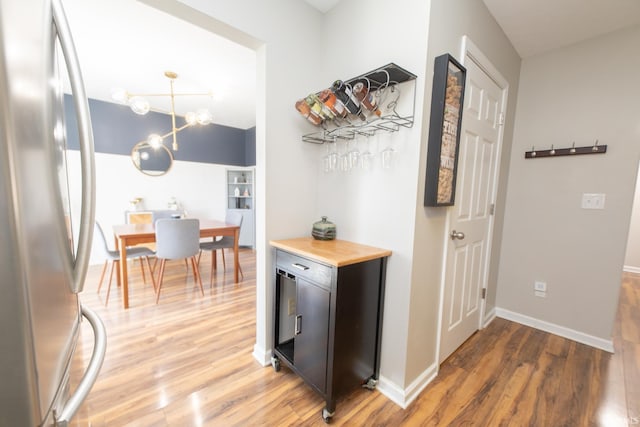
354	156
387	157
333	157
326	160
366	158
344	159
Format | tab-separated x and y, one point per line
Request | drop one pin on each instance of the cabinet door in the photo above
312	333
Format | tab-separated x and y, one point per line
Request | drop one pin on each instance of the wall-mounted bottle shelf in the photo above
384	78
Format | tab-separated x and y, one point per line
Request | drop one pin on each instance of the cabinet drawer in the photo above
305	268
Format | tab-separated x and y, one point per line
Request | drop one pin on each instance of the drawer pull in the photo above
298	326
300	266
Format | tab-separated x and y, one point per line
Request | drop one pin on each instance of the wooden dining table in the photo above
135	234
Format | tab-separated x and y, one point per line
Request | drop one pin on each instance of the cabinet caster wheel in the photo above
370	384
326	415
275	362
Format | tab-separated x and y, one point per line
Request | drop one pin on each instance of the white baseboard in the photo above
261	355
590	340
488	317
631	269
403	398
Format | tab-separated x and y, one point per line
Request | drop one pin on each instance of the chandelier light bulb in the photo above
191	118
154	140
144	155
139	105
204	117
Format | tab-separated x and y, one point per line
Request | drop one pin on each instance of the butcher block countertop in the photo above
333	252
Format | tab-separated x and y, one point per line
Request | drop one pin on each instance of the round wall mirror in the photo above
151	160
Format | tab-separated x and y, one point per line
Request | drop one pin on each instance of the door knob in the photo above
456	235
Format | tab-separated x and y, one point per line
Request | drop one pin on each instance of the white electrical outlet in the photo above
540	289
593	200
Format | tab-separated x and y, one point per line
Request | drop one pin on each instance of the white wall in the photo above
198	187
377	207
581	93
632	257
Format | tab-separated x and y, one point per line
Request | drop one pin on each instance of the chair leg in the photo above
160	279
196	274
213	262
106	301
104	269
144	279
224	263
153	281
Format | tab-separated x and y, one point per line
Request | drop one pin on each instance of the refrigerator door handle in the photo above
91	374
87	161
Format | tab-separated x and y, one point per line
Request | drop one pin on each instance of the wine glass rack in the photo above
385	79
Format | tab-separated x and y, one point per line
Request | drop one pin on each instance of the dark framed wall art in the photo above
447	101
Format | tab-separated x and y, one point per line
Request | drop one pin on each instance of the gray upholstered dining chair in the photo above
225	242
177	239
114	257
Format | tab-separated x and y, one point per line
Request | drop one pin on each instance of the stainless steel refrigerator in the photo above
44	243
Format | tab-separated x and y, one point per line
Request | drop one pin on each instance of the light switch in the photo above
593	200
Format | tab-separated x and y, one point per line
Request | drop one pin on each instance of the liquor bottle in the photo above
305	110
344	94
328	98
316	105
366	98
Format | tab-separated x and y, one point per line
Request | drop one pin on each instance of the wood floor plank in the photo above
187	361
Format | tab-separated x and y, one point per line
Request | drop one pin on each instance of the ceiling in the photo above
538	26
127	44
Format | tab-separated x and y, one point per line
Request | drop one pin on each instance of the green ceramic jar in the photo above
323	230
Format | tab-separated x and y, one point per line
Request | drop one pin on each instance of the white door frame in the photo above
470	52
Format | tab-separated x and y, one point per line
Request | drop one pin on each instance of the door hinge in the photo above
492	209
501	119
484	293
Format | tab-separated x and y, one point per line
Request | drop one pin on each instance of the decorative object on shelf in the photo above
240	199
152	161
141	106
135	203
373	97
447	99
173	204
323	229
571	151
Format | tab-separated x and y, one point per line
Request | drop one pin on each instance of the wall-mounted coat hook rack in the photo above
571	151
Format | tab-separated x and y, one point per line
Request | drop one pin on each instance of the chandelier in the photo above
139	105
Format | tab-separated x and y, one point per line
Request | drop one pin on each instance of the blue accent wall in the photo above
116	129
250	147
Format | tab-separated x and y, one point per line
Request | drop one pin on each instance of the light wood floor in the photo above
187	362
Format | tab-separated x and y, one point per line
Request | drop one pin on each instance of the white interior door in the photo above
470	218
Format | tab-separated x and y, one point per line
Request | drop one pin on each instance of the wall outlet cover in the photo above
540	286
